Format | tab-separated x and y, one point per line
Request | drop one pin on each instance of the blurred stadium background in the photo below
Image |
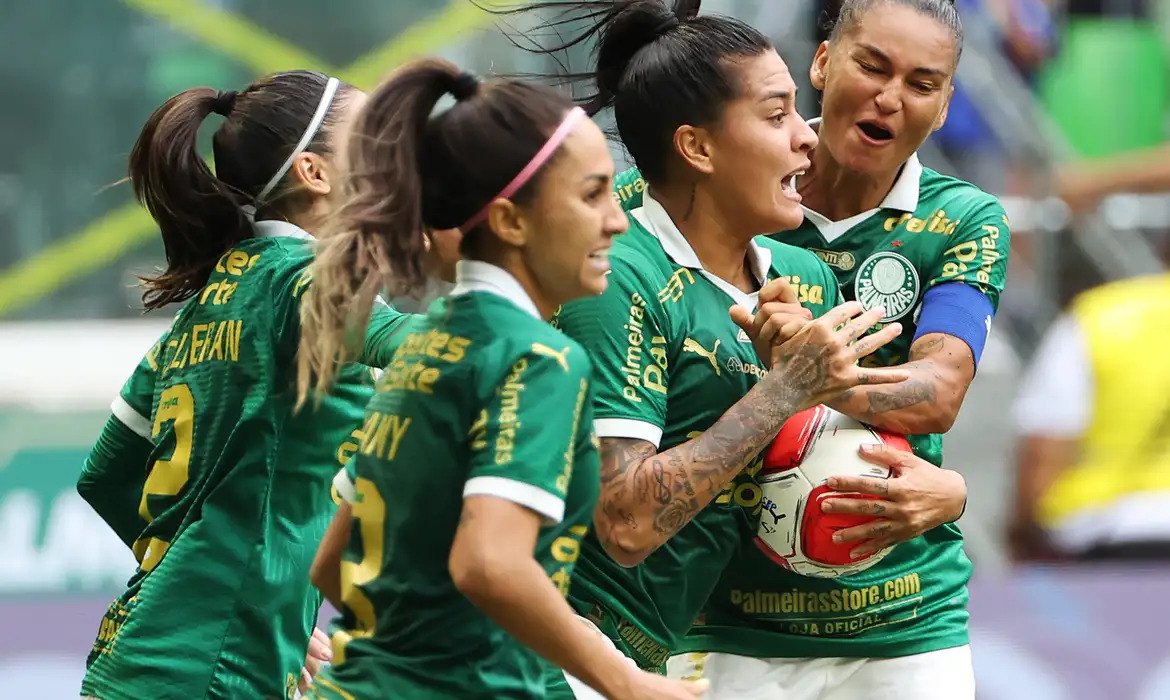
1039	84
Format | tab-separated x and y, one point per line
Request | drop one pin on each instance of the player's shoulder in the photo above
789	259
637	258
284	256
536	346
628	187
959	199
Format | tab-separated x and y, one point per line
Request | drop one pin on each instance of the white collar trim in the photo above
478	276
272	228
903	196
653	217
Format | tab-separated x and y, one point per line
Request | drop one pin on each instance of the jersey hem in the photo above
551	507
629	428
822	648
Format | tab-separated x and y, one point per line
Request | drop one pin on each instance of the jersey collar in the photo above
271	228
478	276
653	217
903	196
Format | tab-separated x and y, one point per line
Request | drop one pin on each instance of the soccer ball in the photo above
811	447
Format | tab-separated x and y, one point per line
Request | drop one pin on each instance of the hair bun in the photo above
667	24
464	86
224	102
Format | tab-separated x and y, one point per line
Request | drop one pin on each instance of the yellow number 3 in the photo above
167	476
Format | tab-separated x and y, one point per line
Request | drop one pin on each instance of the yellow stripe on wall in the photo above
232	35
128	227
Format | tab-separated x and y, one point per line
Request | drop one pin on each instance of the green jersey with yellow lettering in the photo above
481	398
931	229
668	362
234	495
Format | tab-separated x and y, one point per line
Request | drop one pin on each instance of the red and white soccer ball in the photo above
811	447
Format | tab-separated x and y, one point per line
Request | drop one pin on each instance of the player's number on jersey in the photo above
167	476
369	510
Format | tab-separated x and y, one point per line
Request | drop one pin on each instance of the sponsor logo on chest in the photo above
843	260
732	363
934	222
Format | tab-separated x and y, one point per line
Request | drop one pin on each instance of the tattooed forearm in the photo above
941	368
927	346
617	456
647	497
908	393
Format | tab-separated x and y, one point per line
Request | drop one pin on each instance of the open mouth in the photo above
788	183
600	255
875	131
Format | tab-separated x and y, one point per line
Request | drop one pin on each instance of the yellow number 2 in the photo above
167	477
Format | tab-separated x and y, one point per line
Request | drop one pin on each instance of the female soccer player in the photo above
205	470
932	251
683	406
478	473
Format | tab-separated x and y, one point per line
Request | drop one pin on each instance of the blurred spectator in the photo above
1027	38
1093	460
1083	185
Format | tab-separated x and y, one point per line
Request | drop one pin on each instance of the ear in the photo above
695	146
312	173
508	223
942	116
819	68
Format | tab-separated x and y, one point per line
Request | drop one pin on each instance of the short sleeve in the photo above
381	329
524	439
382	333
624	333
977	252
1057	390
343	483
132	406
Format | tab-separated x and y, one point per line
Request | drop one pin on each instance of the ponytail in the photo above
658	65
376	240
409	173
198	215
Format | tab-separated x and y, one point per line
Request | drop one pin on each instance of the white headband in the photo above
310	132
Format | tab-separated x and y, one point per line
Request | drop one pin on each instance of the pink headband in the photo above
558	137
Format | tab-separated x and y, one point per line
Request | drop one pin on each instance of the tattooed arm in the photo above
941	368
647	496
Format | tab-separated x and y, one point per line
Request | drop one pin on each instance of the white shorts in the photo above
946	674
582	691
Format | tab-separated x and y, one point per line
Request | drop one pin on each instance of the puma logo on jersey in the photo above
690	345
542	349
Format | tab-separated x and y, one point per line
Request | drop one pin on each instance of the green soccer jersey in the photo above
668	362
234	496
931	229
482	398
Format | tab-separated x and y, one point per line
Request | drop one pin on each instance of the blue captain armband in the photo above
960	310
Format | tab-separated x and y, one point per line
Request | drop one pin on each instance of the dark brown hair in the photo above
942	11
659	66
199	212
410	171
